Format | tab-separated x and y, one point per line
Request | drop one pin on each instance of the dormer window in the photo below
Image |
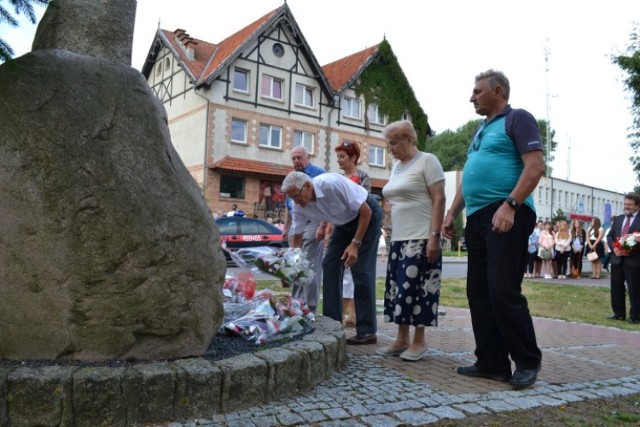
241	80
304	95
271	87
374	114
351	107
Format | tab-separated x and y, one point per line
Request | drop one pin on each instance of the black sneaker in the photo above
474	371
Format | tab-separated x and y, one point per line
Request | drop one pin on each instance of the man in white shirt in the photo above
357	219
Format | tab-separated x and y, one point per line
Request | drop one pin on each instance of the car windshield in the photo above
229	226
251	227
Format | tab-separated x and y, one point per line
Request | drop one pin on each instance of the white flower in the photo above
291	264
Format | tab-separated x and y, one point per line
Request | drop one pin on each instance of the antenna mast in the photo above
547	52
569	162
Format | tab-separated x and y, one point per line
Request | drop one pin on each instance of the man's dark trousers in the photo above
363	271
502	324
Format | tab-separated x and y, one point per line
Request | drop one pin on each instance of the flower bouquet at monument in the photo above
290	265
628	244
262	316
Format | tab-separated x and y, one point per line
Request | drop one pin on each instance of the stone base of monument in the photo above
181	390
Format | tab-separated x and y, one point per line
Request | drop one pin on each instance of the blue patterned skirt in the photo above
412	286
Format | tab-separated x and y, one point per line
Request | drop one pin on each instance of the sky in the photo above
556	54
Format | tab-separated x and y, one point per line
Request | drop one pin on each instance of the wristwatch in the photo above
357	242
513	203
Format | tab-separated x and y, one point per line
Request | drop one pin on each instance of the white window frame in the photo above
234	122
267	139
268	86
305	95
374	114
351	107
305	139
246	73
377	156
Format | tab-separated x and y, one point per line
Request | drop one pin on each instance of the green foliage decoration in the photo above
383	83
450	147
630	63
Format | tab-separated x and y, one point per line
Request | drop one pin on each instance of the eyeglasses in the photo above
295	197
346	144
477	140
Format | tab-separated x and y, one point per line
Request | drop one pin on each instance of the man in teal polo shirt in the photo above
504	165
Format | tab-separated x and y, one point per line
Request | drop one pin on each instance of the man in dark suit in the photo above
625	267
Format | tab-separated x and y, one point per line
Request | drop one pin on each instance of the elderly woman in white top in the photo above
412	288
356	218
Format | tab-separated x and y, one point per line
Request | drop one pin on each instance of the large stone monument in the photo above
107	247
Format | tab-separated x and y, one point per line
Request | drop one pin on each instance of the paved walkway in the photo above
580	362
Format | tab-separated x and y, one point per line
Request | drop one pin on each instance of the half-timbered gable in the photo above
237	107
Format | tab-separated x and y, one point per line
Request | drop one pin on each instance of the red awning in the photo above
580	217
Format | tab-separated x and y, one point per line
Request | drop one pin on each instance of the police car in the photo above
241	232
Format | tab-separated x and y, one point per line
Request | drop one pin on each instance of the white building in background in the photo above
577	201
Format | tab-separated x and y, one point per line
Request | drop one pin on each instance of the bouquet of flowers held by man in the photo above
290	265
628	244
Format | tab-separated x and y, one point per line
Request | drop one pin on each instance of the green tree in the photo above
548	158
559	216
19	7
630	63
451	147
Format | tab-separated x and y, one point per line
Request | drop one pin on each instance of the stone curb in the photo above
169	391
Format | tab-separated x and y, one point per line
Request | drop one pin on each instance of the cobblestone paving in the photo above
580	362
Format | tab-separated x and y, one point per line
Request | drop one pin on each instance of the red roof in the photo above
210	59
226	48
264	168
202	50
252	166
342	72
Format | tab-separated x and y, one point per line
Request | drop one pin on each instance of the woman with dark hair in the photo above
578	237
595	244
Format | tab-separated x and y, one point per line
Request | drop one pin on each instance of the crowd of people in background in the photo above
557	251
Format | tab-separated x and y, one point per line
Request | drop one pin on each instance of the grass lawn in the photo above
576	303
